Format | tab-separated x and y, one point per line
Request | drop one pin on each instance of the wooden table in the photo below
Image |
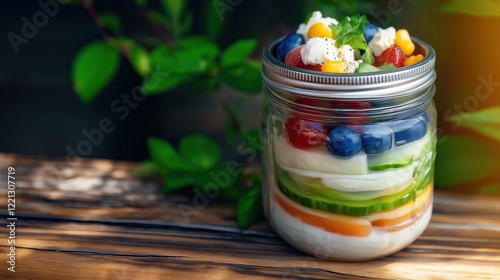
92	220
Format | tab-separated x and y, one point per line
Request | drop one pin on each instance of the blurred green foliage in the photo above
485	8
197	61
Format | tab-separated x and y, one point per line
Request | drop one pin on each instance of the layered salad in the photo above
352	45
359	188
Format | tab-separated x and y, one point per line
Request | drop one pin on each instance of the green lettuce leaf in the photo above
349	31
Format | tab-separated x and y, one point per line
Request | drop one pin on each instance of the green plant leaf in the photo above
485	121
486	8
175	180
249	209
159	52
463	160
147	168
191	56
245	77
163	79
198	46
162	83
162	153
237	52
93	68
199	151
350	31
140	60
173	8
217	175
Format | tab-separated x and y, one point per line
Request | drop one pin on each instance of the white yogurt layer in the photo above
395	179
317	159
324	244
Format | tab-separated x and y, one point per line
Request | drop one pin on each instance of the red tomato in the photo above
393	55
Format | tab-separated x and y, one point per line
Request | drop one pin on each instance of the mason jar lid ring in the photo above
355	85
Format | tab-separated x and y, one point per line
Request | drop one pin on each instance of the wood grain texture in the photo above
93	220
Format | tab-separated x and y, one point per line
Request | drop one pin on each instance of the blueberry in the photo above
343	142
376	139
370	31
288	43
406	131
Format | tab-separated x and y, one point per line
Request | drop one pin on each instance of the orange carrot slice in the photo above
329	222
403	215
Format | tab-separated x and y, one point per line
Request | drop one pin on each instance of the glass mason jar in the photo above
348	159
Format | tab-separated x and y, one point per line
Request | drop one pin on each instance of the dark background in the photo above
41	115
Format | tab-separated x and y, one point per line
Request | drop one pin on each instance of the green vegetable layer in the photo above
329	200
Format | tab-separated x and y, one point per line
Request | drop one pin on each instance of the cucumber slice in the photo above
311	198
398	156
391	165
366	67
336	194
373	181
317	159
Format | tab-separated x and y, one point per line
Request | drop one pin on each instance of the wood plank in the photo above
91	266
113	226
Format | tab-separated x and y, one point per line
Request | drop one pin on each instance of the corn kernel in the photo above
413	59
403	41
334	67
319	29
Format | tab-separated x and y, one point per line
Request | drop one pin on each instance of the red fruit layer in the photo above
305	134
